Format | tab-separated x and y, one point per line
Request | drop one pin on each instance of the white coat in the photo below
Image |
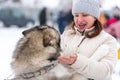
97	56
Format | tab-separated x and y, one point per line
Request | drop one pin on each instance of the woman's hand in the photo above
67	59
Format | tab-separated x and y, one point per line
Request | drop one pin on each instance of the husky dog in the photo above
36	53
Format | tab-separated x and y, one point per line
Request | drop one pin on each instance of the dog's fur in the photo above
39	47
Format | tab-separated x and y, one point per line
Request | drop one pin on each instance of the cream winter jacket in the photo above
96	56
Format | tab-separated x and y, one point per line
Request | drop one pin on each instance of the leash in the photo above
37	73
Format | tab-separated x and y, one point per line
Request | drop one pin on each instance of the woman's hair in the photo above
97	29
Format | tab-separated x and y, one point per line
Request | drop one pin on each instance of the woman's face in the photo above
83	21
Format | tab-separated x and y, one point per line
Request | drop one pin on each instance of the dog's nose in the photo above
54	57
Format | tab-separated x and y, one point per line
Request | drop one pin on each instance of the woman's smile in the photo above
82	27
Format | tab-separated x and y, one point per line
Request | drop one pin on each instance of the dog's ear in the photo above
25	32
32	29
38	28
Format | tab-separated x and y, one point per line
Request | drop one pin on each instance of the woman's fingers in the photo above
63	59
67	59
73	58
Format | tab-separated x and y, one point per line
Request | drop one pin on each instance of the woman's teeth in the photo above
82	26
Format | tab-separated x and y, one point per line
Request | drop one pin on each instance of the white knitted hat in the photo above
91	7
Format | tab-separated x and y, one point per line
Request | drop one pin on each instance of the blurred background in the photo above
18	15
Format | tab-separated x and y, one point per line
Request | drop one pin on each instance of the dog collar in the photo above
37	73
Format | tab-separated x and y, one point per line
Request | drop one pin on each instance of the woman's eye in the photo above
76	15
85	14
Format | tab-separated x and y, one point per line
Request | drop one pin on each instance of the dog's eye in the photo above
47	42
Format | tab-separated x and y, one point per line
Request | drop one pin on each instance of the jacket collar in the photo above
84	32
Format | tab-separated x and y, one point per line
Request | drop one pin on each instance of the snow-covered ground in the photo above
8	40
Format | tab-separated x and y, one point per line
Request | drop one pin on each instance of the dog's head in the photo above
41	44
44	39
39	47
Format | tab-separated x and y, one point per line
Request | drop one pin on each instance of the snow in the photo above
8	40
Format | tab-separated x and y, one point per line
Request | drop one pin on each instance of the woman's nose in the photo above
79	19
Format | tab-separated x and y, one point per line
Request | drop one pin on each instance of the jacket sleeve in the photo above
101	52
100	68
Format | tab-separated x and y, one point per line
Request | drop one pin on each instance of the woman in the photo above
88	51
